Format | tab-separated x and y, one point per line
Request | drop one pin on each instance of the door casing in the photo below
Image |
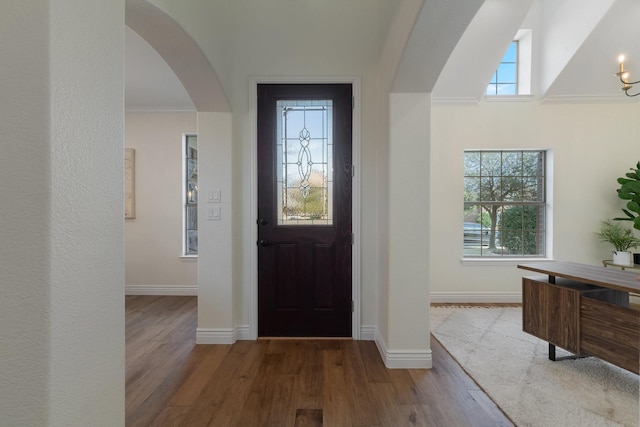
356	247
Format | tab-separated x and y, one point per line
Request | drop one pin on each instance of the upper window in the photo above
505	79
190	185
504	203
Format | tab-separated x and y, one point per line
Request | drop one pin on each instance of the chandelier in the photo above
623	75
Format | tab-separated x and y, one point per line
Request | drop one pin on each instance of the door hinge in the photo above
353	102
353	171
353	238
352	306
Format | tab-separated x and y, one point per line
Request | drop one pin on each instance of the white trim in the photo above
368	332
403	359
509	98
587	99
142	110
186	291
495	261
222	335
476	297
454	100
355	224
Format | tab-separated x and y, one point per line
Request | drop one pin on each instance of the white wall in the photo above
216	316
592	145
153	240
61	263
408	209
24	222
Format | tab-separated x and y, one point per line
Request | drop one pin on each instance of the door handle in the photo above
264	242
262	221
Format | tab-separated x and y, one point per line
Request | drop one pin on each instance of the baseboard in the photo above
222	335
476	297
368	332
186	291
403	359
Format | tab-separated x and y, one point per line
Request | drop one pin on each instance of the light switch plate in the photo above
215	215
214	196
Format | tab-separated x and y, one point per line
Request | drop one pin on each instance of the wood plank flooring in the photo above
171	381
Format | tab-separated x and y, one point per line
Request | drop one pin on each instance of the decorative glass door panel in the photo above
304	162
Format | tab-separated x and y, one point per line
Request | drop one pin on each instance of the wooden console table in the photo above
583	309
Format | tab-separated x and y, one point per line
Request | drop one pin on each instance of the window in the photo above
504	203
190	186
505	79
305	155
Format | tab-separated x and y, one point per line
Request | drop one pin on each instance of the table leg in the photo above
553	357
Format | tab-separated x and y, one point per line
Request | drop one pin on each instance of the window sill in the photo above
502	261
189	257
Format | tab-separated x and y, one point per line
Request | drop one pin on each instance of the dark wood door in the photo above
304	209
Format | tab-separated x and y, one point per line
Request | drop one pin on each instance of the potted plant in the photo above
621	238
630	190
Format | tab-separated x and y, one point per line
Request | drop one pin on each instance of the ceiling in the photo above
150	84
574	58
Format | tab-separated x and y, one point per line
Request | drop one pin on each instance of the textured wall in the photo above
24	212
61	258
87	260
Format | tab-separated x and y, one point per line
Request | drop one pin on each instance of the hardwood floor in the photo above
171	381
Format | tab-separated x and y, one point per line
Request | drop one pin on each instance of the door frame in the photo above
355	198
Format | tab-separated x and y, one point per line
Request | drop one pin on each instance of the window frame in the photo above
516	83
543	219
189	196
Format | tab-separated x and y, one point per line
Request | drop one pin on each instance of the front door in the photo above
304	210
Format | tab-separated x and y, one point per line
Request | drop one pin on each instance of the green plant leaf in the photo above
633	206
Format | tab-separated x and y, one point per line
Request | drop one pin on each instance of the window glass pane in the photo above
192	241
512	188
192	218
531	188
532	164
490	188
305	162
512	164
512	53
491	163
507	73
507	89
472	189
472	163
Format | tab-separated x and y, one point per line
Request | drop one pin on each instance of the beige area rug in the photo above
513	368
